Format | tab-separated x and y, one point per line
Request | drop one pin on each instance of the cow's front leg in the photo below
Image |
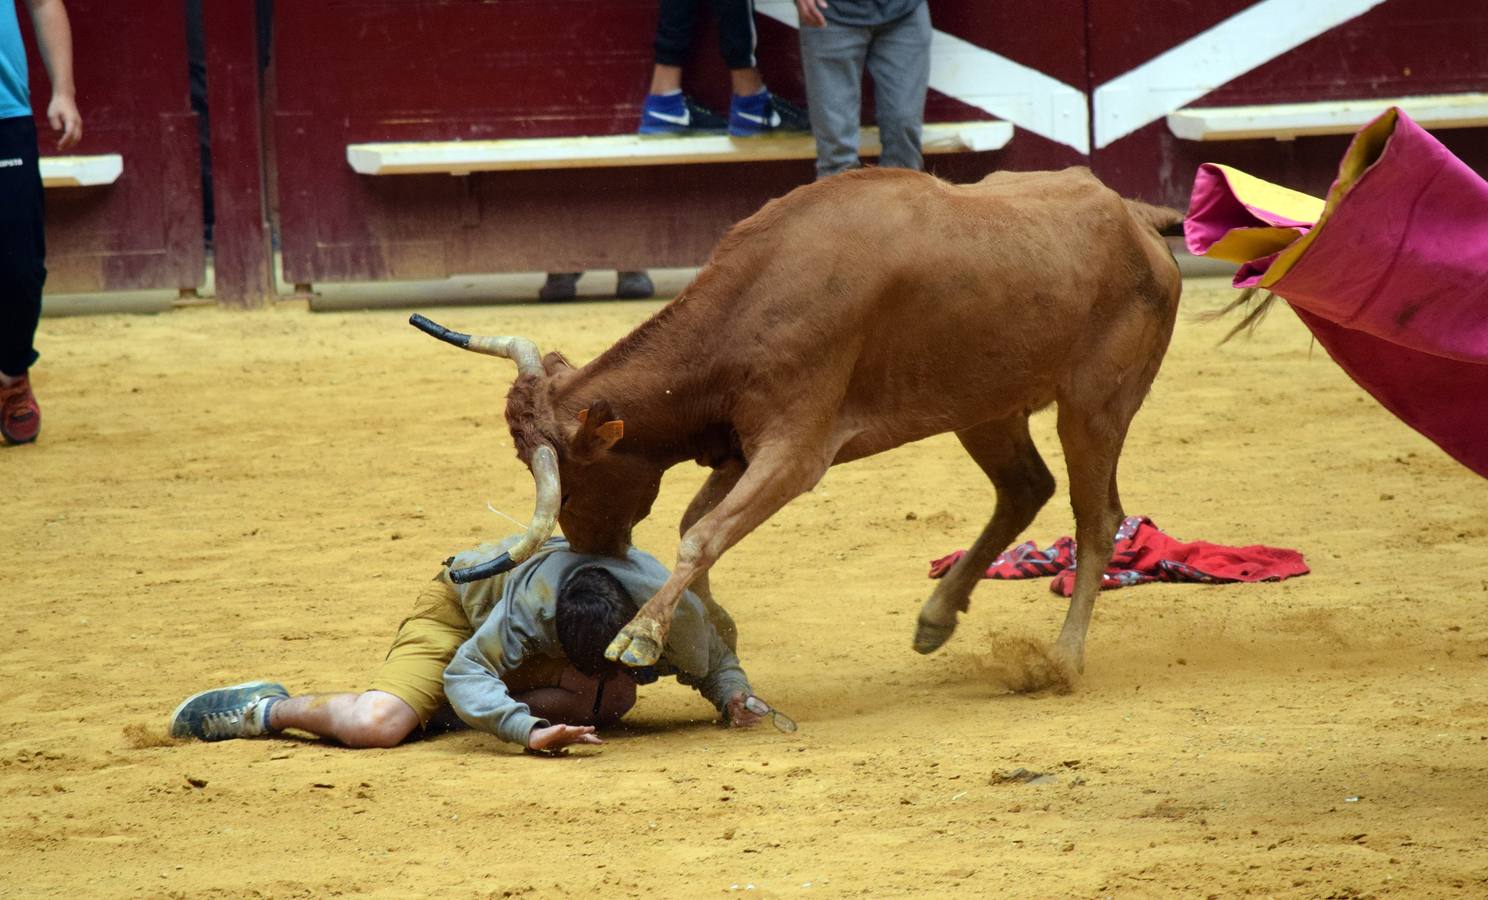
776	475
643	638
719	483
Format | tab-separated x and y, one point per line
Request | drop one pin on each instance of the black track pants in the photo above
22	244
735	31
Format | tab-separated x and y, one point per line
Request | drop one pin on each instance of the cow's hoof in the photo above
638	644
1071	657
931	636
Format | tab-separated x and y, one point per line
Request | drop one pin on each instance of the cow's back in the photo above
912	306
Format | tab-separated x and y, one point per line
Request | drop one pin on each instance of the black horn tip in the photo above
430	327
502	563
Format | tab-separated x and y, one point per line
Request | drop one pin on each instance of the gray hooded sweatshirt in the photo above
515	615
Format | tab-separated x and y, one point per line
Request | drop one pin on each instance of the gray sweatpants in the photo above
897	54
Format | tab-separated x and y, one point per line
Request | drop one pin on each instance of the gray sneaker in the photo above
222	713
559	286
633	286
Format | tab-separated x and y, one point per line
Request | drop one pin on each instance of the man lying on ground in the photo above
520	655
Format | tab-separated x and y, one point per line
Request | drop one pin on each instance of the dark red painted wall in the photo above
243	258
144	231
1048	36
1400	48
445	69
519	68
348	71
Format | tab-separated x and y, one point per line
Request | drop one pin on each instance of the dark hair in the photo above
592	608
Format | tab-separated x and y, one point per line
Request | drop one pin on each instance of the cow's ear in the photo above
554	363
599	430
609	433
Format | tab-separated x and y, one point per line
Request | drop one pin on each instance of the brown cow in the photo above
848	317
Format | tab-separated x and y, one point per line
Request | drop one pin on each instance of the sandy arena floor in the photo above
219	497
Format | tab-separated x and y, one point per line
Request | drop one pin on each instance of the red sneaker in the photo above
20	418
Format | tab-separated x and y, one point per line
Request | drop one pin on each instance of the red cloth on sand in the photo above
1142	553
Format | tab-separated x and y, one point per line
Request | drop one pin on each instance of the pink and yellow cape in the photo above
1390	272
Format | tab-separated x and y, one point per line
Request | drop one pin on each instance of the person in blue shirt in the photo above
22	244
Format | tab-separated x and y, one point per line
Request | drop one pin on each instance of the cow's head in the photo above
596	492
606	490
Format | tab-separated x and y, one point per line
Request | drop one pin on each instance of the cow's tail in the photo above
1263	301
1165	220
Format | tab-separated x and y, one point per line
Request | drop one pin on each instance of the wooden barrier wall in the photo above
1393	48
145	230
1083	82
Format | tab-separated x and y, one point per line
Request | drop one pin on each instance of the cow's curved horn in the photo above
545	471
519	350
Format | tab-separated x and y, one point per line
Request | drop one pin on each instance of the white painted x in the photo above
1169	81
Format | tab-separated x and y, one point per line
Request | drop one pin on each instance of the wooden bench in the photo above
81	171
1286	121
464	157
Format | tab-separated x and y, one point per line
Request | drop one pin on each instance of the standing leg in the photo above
832	60
899	60
736	41
1006	452
674	25
666	110
22	274
777	473
753	110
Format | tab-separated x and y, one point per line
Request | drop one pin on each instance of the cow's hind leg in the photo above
1092	440
719	483
776	474
1006	452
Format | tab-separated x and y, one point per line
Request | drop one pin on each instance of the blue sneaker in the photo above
765	113
677	113
231	712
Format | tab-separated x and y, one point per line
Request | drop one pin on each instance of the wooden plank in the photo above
464	157
1285	121
81	171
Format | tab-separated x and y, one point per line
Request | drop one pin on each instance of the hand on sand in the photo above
554	738
739	716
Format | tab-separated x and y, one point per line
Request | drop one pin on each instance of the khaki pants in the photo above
426	642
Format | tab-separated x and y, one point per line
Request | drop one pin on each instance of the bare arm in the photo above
54	37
